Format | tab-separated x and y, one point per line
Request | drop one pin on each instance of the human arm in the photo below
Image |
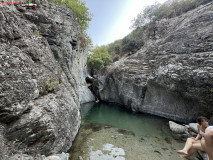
198	135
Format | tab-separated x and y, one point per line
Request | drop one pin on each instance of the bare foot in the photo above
182	152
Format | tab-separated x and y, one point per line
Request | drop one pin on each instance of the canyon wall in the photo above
42	78
171	75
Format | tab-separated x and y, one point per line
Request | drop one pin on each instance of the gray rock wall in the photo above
171	76
42	78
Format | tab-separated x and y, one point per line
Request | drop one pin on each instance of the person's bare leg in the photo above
187	146
190	152
196	145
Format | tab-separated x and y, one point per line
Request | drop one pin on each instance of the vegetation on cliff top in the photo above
146	22
99	58
81	13
79	9
158	11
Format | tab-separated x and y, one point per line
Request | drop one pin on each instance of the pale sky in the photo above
112	18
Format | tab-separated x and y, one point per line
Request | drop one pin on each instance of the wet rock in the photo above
176	128
168	140
142	139
158	152
126	132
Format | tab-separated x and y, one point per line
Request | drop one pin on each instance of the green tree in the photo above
130	45
95	63
99	58
80	11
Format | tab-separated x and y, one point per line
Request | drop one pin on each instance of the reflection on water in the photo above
111	132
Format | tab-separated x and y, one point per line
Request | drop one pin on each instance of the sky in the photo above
112	18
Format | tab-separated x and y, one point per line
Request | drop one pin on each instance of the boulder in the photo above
203	155
177	128
193	127
62	156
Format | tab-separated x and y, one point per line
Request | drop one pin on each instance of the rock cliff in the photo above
171	75
42	78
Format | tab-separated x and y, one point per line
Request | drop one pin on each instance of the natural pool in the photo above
111	132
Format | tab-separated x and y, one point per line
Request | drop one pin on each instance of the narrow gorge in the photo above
43	72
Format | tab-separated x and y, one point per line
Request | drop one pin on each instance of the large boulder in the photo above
193	127
177	128
203	155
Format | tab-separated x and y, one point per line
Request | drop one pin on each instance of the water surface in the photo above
111	132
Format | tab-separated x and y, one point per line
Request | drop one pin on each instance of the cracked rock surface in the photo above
42	78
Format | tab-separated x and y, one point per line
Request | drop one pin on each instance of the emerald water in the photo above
109	131
119	117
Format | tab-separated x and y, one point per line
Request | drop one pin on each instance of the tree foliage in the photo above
157	11
80	11
99	58
129	44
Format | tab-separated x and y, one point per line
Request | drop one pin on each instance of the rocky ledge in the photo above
171	75
42	79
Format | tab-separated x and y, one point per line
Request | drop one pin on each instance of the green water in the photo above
111	132
117	116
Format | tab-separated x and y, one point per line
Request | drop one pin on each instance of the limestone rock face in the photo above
42	78
171	76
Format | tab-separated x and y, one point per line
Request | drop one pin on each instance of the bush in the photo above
95	63
115	48
156	12
52	85
99	58
116	58
131	45
79	9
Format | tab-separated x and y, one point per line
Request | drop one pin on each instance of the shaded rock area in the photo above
42	79
171	75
